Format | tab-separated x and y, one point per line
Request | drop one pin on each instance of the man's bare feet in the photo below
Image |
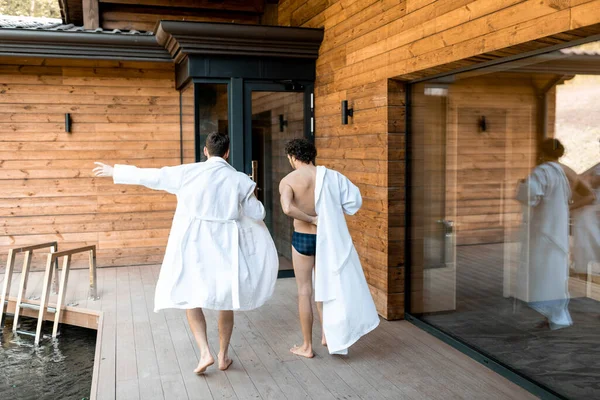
204	364
323	341
303	351
224	362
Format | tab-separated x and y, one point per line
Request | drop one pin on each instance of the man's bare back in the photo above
302	183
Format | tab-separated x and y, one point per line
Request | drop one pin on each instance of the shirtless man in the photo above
297	191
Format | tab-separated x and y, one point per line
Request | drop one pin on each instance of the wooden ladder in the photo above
51	271
10	265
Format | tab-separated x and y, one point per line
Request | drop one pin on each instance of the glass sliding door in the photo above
505	249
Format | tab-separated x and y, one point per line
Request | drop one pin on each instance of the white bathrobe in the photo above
220	254
586	235
544	270
348	308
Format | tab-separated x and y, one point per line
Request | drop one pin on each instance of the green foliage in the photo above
30	8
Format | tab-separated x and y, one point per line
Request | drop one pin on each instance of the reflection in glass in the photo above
212	108
544	269
505	241
276	118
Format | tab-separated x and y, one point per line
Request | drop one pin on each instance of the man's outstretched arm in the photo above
287	205
167	178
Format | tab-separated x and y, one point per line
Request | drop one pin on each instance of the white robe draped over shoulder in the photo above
544	270
348	308
220	255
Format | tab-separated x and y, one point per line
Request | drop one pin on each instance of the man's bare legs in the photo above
225	330
320	310
303	267
197	323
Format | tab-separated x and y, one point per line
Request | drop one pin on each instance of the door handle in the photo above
254	170
254	175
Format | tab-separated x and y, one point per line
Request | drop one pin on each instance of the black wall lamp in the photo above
282	123
346	112
68	122
482	124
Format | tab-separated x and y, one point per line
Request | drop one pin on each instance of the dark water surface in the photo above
56	370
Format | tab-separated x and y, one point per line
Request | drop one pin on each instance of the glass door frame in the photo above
197	84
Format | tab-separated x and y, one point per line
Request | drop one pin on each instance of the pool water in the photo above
58	369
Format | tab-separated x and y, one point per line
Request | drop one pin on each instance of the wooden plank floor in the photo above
147	355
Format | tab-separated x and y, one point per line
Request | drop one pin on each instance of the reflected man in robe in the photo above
547	199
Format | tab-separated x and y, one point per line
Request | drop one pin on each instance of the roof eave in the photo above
56	44
184	38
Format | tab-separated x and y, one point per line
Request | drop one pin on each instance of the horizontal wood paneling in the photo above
145	19
368	42
121	113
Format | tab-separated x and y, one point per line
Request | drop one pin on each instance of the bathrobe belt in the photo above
235	267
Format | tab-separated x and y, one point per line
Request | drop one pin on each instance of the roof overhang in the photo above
174	41
183	39
82	45
563	64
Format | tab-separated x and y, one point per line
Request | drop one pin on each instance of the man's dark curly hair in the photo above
302	150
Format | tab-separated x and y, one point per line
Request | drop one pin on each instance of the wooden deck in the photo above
147	355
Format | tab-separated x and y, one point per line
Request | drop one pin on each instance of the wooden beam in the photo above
35	247
65	253
76	316
91	15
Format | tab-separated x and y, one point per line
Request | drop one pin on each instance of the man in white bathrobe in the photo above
219	255
318	198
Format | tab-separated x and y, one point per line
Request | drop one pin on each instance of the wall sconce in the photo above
68	122
482	124
282	123
346	112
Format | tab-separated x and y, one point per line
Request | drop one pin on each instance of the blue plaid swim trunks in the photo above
305	243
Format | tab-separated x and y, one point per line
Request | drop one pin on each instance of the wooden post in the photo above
44	299
10	263
589	281
93	293
91	16
22	287
54	249
61	293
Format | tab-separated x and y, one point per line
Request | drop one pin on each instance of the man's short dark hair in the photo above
302	150
552	148
217	144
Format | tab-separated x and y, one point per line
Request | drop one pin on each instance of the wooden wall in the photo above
121	113
366	43
118	16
